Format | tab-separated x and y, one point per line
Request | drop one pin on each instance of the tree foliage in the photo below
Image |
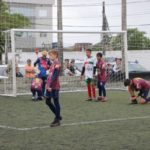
8	21
137	40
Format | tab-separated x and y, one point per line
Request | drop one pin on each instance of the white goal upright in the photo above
21	44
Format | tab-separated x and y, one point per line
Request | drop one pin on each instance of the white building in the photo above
40	15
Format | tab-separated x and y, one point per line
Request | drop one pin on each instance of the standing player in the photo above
43	65
88	70
101	76
140	85
52	88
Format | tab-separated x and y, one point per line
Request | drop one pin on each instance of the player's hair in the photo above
88	49
28	60
99	55
44	53
127	82
54	52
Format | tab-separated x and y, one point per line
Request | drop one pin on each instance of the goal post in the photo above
23	42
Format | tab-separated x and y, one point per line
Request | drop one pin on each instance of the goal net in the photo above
24	44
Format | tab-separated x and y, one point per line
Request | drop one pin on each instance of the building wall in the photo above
40	15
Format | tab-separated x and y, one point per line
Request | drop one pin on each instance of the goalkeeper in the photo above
138	85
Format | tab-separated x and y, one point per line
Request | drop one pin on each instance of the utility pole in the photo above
124	28
105	27
124	15
60	35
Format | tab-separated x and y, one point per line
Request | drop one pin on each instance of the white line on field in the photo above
76	123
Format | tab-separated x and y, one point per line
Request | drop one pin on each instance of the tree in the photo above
137	40
8	21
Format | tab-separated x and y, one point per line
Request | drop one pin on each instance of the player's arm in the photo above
48	64
36	62
94	70
55	75
83	71
131	91
133	96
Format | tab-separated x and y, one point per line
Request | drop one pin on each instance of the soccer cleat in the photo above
104	99
60	118
55	123
33	98
89	99
39	99
134	102
99	99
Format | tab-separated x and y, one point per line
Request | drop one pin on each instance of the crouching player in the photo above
101	76
140	85
36	89
52	88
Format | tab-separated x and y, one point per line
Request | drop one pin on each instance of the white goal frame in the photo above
12	37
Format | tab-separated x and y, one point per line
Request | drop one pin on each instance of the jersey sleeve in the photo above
55	74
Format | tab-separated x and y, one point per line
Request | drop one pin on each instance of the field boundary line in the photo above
76	123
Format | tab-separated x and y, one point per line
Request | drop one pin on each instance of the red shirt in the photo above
53	77
140	84
101	69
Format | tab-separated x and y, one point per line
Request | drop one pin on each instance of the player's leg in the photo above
93	89
39	93
88	81
99	91
43	86
55	95
103	92
33	94
144	97
49	102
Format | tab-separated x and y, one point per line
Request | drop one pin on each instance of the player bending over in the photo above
140	85
52	88
88	70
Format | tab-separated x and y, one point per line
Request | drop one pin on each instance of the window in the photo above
42	13
43	34
28	12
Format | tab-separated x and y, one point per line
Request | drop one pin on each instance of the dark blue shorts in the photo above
145	94
100	84
53	94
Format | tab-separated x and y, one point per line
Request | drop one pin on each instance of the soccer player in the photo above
88	70
101	76
43	65
140	85
52	88
36	88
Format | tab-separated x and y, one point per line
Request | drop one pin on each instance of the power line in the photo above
84	17
148	24
98	4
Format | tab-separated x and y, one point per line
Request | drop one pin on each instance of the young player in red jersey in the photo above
53	87
101	77
88	72
140	85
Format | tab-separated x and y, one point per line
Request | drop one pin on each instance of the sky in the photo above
86	15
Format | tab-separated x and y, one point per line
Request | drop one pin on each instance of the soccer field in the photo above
113	125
